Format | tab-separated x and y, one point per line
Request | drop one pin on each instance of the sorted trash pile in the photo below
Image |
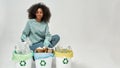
63	56
22	55
43	50
42	56
63	52
22	48
22	51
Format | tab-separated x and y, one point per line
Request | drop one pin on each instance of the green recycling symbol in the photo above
65	61
22	63
42	63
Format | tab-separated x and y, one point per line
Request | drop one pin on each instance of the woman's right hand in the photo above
23	38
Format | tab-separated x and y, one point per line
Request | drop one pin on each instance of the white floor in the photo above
84	57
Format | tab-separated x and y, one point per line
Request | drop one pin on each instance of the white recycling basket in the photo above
43	60
63	59
22	61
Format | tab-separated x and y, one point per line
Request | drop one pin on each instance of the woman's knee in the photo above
56	36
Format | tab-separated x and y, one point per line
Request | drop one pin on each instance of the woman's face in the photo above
39	14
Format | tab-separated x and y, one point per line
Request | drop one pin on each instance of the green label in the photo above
22	63
42	63
65	61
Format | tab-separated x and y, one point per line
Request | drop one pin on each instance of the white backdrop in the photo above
91	27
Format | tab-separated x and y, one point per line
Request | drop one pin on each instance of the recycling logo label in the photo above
22	63
65	61
42	63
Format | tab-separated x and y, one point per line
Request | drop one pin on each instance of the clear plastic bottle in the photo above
22	48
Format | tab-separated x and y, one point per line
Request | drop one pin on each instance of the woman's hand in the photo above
23	38
46	43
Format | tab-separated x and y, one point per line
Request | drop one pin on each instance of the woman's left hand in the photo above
46	43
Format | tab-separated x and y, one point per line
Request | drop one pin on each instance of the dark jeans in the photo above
54	41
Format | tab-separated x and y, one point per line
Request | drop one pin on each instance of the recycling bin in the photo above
43	60
22	60
63	59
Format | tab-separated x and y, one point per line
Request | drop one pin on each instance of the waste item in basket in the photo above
43	50
22	60
63	57
43	60
22	48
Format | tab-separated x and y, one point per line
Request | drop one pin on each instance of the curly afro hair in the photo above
46	12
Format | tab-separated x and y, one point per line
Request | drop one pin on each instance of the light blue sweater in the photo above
36	31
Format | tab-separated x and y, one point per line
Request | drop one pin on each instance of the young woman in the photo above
37	29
